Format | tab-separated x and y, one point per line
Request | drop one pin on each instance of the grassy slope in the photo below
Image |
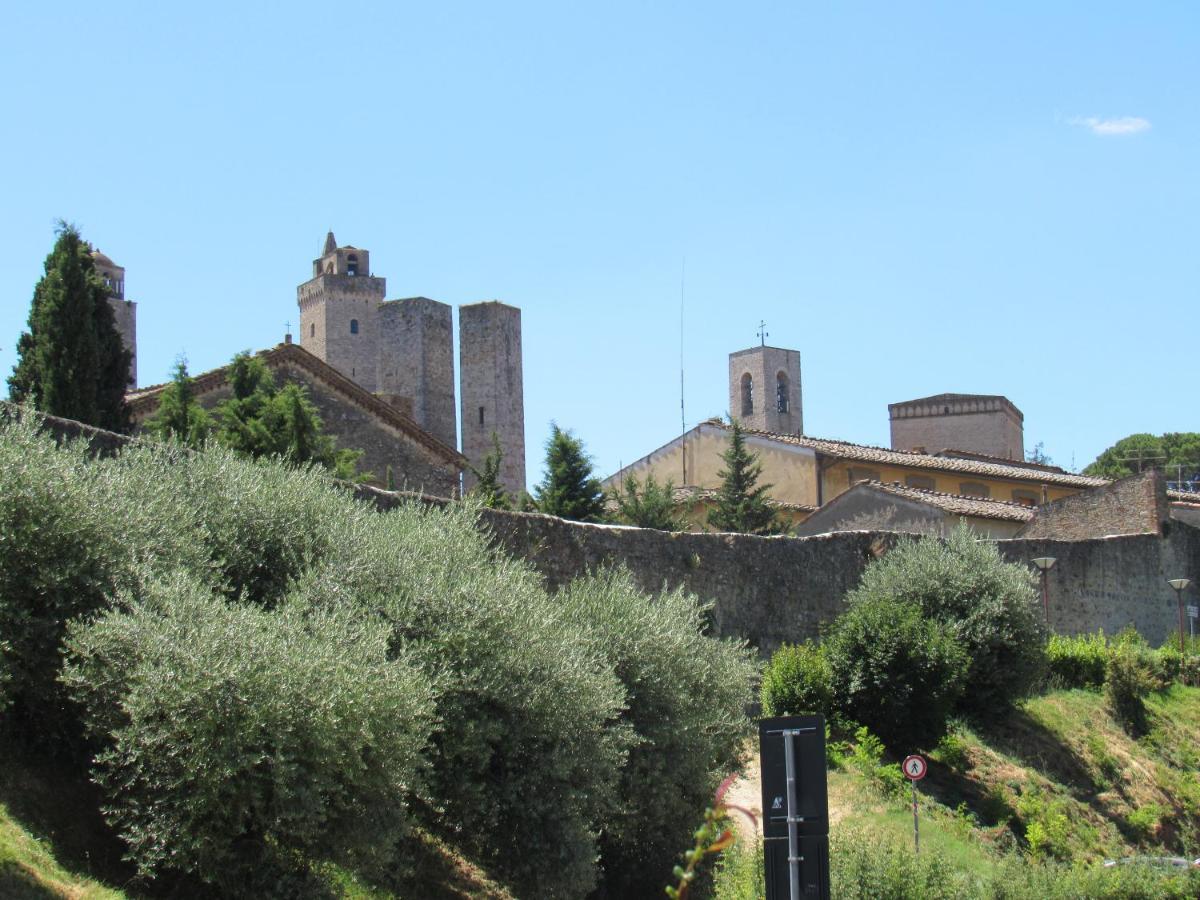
1060	763
53	844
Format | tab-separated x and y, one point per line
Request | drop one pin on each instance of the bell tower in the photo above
124	311
764	390
339	312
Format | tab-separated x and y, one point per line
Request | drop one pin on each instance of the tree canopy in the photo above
569	490
488	489
72	361
1177	453
648	504
258	419
741	501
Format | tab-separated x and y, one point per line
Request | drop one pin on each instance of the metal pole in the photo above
1045	598
794	857
1179	598
916	827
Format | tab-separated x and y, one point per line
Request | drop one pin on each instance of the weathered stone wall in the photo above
125	318
765	365
775	590
329	303
1134	505
984	424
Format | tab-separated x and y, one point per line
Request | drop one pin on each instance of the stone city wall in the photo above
775	590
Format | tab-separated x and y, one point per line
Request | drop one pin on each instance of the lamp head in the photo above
1045	562
1179	583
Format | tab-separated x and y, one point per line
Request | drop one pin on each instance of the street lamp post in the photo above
1180	585
1045	564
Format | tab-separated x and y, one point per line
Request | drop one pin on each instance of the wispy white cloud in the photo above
1114	127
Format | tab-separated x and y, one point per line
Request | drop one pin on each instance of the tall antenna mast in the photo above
682	417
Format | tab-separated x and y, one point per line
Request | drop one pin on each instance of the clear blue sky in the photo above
939	198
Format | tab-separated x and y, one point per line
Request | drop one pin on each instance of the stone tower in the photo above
987	424
489	346
764	390
416	363
124	311
339	312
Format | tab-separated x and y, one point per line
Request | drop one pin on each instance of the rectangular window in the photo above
481	415
924	482
974	489
1029	498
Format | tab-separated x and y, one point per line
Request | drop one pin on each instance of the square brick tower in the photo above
493	398
764	390
339	312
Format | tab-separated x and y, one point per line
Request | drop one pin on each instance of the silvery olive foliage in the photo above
234	736
686	694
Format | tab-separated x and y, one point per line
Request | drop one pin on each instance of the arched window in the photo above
781	392
312	330
747	395
354	326
352	264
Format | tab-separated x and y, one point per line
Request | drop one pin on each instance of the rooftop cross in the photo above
763	334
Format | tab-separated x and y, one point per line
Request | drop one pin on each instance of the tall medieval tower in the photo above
416	361
403	351
764	390
493	397
124	311
339	312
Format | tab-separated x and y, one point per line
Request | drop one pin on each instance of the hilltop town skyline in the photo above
997	202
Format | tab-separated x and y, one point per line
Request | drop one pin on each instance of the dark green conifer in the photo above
648	505
72	361
179	417
569	490
741	501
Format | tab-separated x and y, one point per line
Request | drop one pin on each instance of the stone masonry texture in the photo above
778	589
489	347
1133	505
980	424
416	361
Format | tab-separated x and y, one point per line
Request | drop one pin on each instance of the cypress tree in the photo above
569	490
741	501
72	362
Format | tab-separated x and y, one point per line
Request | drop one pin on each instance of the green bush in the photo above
236	739
738	873
989	606
1126	686
686	700
70	539
797	681
525	769
1079	661
865	866
895	671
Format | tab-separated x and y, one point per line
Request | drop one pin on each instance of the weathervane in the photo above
763	334
288	326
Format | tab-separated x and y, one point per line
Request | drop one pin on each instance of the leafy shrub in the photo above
952	752
70	539
1126	686
797	681
1144	820
989	606
739	873
867	866
867	757
526	767
1046	826
1079	661
236	737
686	700
895	671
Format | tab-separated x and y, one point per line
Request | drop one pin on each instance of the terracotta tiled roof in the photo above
690	492
144	401
979	507
912	459
1188	497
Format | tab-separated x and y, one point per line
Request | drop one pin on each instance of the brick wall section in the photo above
1134	505
982	424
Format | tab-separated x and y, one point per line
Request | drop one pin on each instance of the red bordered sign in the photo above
914	767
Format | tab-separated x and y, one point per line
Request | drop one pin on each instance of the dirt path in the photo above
747	792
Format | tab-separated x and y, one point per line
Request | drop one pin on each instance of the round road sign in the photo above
914	767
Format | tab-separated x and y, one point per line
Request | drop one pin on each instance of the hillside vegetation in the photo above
269	688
